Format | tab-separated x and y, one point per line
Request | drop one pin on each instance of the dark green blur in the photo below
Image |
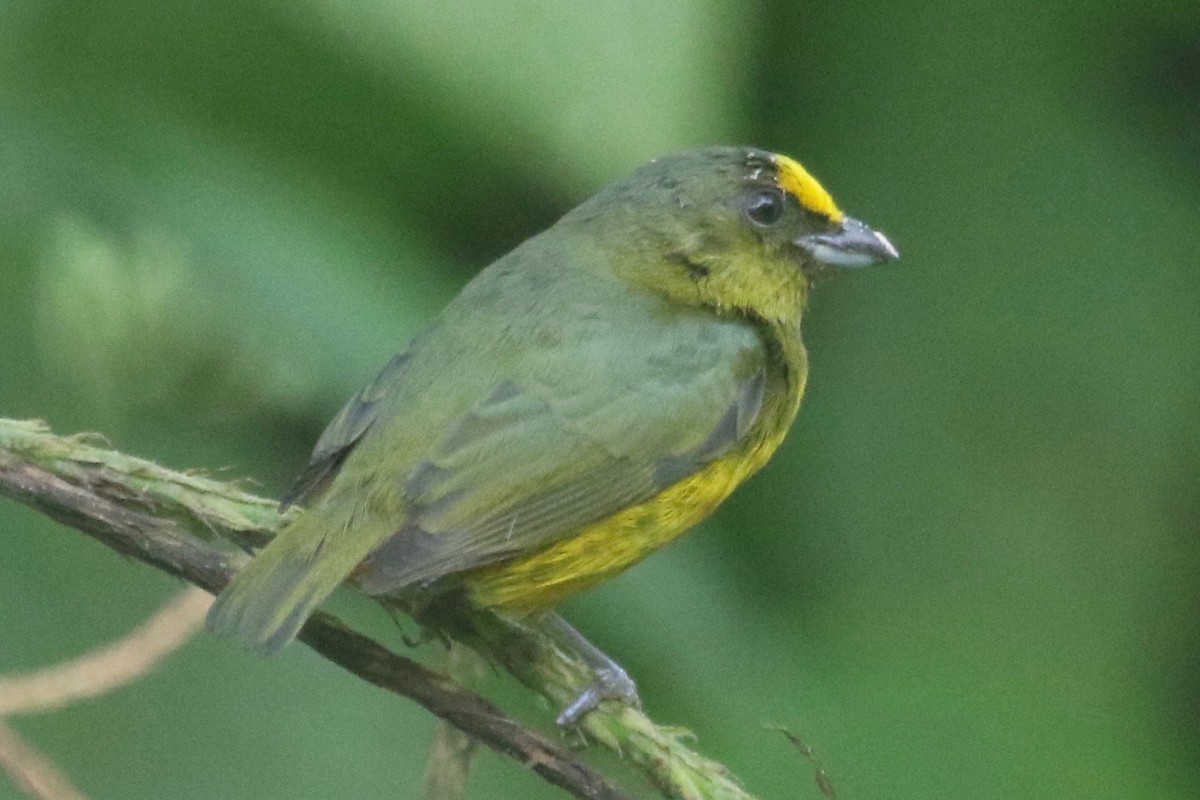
973	569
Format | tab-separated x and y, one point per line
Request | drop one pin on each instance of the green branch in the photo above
172	521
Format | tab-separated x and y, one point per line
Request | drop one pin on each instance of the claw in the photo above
610	683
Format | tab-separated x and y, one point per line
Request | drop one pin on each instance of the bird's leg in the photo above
609	681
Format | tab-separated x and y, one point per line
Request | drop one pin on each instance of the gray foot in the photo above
610	682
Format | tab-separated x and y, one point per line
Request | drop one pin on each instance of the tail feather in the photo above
268	602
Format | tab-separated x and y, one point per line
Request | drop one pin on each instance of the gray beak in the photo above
855	245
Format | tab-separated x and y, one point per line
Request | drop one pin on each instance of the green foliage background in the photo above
970	572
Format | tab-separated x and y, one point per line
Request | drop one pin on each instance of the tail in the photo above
267	603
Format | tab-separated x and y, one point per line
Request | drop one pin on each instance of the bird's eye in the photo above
765	208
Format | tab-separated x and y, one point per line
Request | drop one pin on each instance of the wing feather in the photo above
522	470
343	434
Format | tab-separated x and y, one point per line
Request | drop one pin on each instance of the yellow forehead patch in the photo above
796	181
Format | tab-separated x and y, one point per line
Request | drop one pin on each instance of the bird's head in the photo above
733	228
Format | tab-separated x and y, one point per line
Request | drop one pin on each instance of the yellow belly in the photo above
538	581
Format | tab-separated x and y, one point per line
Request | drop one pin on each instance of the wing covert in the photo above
343	434
527	466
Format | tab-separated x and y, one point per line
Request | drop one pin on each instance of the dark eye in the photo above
765	207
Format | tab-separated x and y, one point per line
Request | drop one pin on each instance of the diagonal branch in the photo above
169	519
32	772
91	497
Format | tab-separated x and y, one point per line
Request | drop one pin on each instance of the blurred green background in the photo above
970	572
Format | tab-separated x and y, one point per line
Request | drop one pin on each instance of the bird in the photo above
585	399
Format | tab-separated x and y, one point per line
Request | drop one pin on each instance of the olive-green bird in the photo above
586	399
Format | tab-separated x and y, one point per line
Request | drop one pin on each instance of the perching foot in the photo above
609	681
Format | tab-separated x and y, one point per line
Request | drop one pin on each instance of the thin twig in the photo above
31	772
451	752
448	765
95	673
820	775
108	667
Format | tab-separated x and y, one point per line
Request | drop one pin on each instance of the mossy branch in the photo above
173	520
